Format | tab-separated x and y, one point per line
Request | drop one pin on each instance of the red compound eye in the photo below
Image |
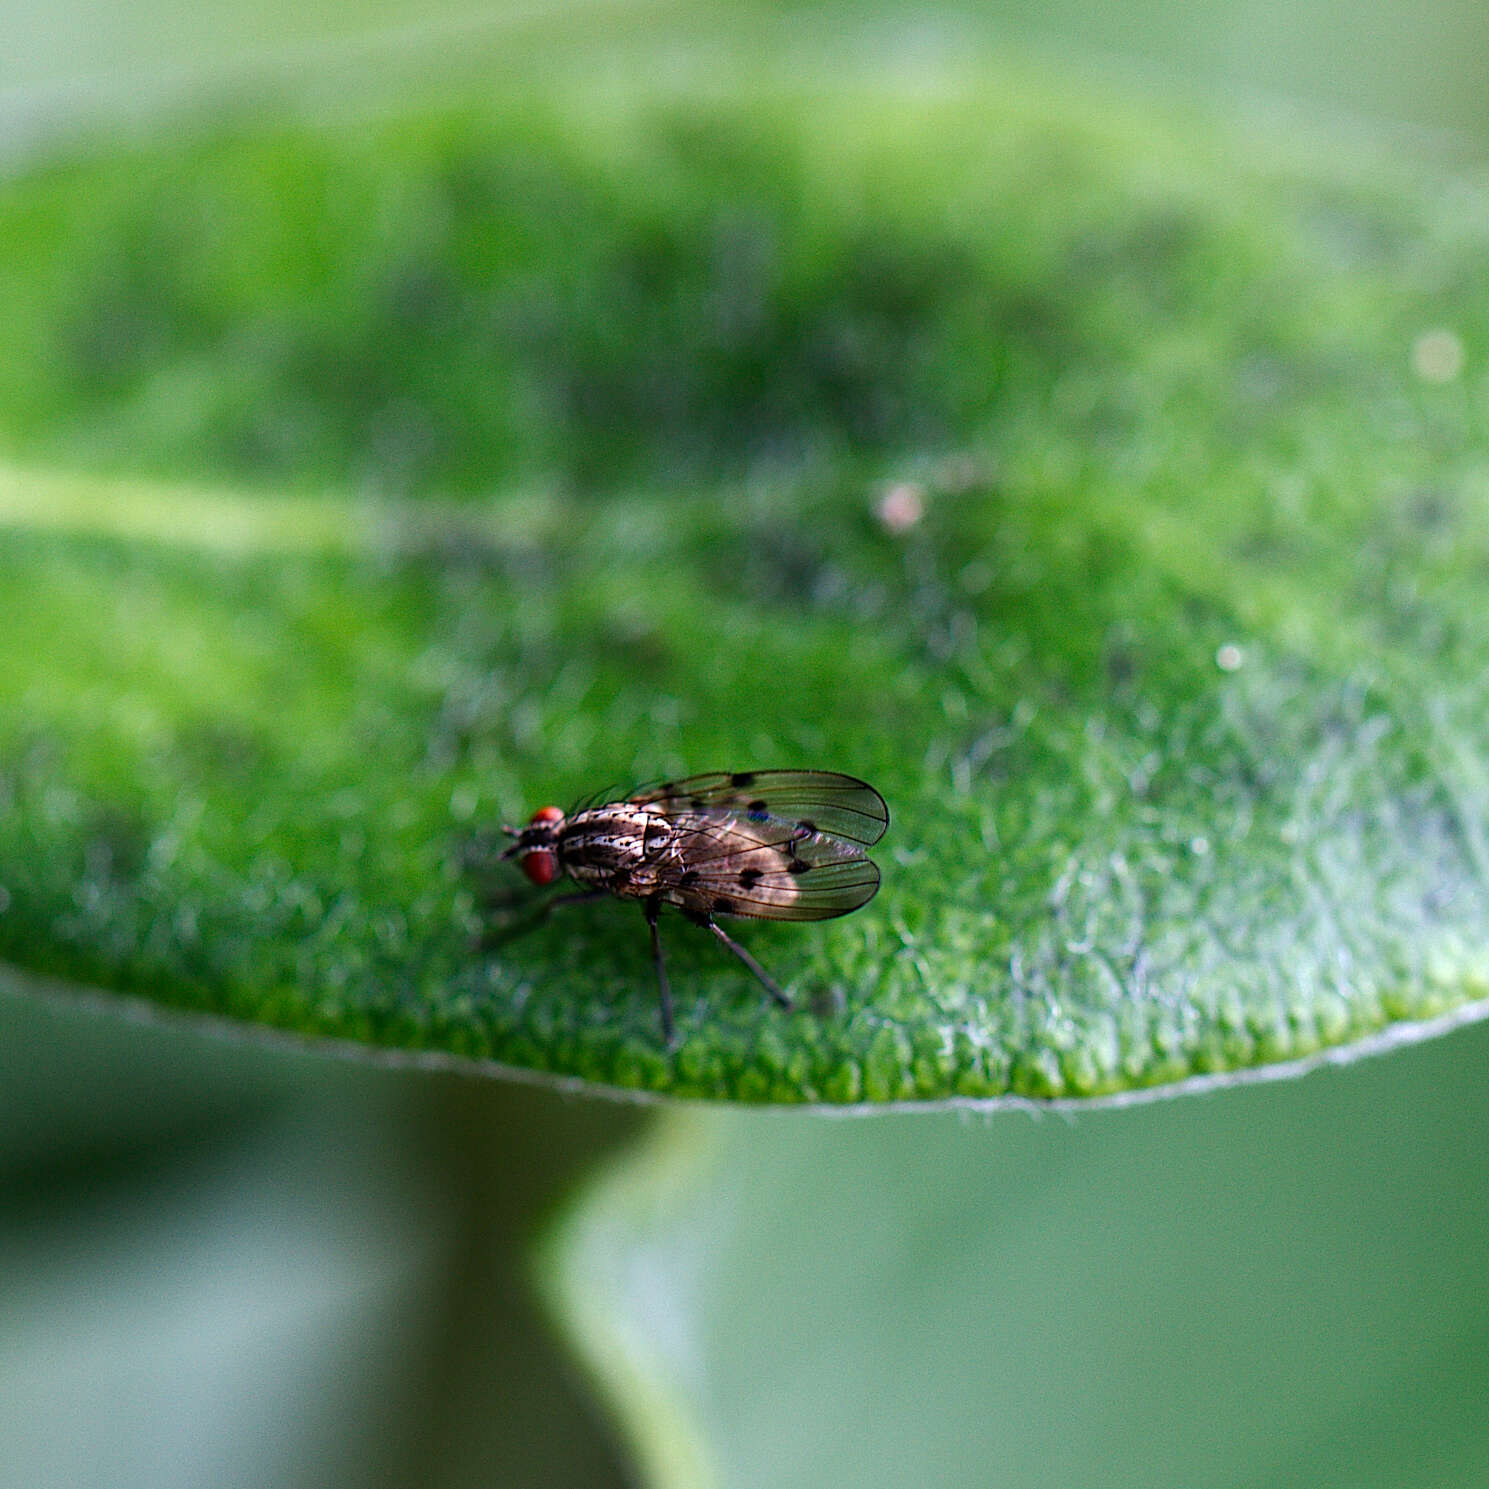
541	866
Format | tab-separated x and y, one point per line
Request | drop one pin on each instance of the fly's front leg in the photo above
574	897
664	989
499	935
768	982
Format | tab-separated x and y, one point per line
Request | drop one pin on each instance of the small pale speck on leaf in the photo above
1437	355
901	506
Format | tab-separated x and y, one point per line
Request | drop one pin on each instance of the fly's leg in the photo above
574	897
664	988
499	935
768	982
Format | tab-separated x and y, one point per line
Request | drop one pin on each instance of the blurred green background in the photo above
234	1263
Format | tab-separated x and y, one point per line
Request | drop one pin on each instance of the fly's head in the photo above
536	848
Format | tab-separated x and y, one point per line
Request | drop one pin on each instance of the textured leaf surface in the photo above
1114	502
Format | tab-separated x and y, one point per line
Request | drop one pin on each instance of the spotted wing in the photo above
823	801
728	865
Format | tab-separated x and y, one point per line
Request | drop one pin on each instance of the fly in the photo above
755	844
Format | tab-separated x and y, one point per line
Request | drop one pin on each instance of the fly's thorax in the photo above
606	846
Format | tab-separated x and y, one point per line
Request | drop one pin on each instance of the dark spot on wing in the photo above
654	839
757	811
749	878
742	778
798	866
806	826
689	879
697	803
723	905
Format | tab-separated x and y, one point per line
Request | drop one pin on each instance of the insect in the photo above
757	844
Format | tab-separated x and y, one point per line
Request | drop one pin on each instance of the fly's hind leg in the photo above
653	908
768	982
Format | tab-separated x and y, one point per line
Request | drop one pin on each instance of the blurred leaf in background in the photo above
230	1265
1279	1286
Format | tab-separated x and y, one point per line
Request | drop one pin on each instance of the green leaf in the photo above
1107	490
